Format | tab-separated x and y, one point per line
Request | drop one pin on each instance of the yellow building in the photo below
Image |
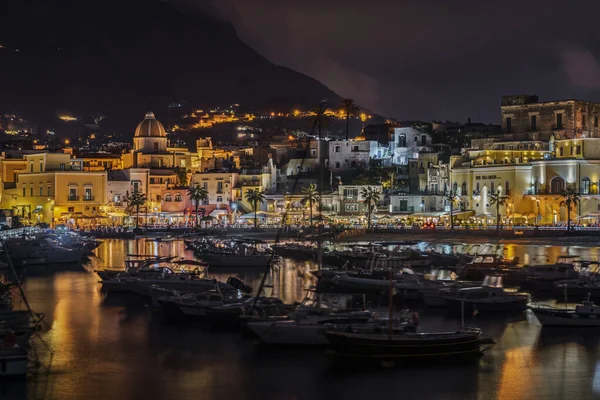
500	166
533	174
49	190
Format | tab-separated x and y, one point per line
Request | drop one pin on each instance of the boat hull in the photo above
565	318
470	306
451	346
13	364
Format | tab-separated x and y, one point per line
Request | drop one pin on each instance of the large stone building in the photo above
548	148
565	119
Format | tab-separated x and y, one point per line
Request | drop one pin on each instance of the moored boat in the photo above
585	315
490	297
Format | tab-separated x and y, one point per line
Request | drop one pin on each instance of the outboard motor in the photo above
238	284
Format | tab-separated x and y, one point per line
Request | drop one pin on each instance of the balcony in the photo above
541	192
72	198
403	209
89	198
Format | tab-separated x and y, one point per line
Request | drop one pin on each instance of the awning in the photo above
484	215
218	212
432	214
260	214
593	215
117	214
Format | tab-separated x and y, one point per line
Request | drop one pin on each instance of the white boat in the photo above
489	297
41	250
585	315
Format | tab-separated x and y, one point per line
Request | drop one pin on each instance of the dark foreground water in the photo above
114	348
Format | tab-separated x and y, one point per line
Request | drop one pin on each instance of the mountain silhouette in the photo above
122	58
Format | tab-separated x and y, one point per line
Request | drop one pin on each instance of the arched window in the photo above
585	186
463	189
178	197
557	185
416	139
168	197
454	188
402	141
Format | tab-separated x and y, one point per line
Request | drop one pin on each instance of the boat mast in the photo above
279	233
321	183
391	305
17	280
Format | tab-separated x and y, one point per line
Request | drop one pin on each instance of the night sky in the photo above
430	59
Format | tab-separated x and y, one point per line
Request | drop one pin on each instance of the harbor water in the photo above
116	348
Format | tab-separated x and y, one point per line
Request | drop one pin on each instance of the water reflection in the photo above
121	351
288	281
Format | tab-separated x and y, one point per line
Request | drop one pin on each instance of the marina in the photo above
85	325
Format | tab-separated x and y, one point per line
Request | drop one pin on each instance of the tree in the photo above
372	197
134	201
310	196
255	197
392	176
498	200
570	198
182	176
320	119
350	110
451	198
197	194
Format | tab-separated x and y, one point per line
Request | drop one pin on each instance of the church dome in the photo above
150	127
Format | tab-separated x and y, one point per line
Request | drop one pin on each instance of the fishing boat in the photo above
585	315
489	297
410	345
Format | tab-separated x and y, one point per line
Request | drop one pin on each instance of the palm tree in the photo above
498	200
255	197
136	200
392	175
311	196
320	118
197	194
371	197
451	198
570	198
350	110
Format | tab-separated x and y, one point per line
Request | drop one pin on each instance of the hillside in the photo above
122	58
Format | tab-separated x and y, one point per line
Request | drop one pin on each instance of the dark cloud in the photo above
429	58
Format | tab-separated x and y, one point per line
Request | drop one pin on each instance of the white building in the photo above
347	154
352	201
407	143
